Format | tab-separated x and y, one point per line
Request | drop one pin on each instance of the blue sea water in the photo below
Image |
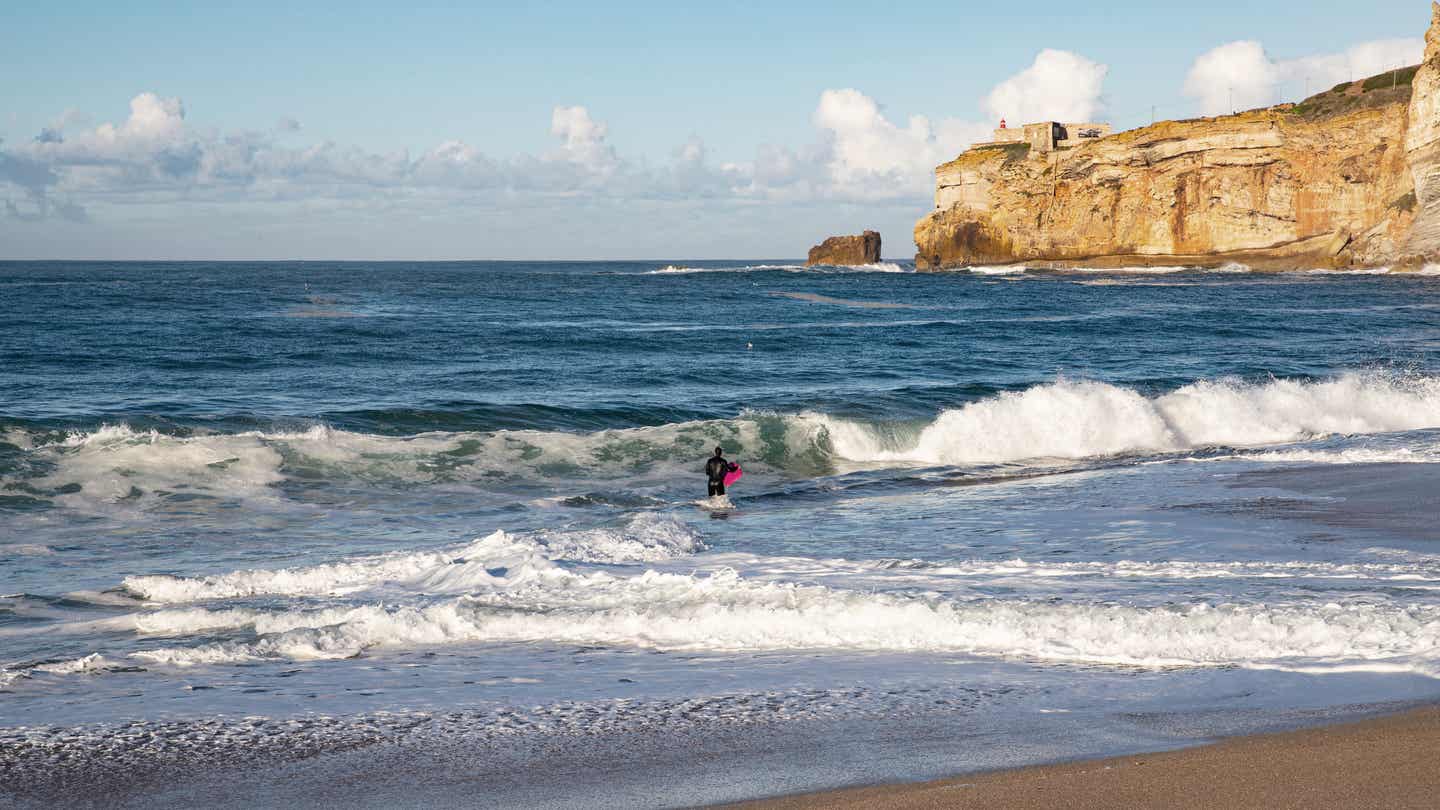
325	521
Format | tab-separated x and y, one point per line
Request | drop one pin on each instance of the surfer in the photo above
717	469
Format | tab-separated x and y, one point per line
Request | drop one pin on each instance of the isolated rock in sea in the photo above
1347	178
847	250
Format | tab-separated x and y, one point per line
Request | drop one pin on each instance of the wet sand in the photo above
1390	762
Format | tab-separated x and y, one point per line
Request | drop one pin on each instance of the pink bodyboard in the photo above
734	475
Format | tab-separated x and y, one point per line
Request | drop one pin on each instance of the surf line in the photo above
816	298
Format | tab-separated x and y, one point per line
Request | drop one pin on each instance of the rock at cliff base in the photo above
847	251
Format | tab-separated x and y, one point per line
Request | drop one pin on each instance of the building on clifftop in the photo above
958	183
1047	136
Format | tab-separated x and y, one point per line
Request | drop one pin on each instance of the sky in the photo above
581	130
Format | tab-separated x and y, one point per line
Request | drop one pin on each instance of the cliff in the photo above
1347	178
842	251
1422	146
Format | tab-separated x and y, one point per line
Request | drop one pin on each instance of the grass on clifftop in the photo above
1377	91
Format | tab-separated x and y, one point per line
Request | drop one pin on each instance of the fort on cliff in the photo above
1347	178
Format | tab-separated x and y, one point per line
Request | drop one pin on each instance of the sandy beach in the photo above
1386	762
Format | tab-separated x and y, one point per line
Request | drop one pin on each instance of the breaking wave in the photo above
522	588
1075	420
499	558
723	612
1067	420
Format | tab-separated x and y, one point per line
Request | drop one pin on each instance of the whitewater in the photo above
329	521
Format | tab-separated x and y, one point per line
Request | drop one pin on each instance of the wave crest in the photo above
1076	420
1068	420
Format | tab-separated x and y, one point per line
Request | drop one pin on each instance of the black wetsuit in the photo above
715	470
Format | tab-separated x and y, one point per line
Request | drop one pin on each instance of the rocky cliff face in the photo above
1422	145
844	251
1348	178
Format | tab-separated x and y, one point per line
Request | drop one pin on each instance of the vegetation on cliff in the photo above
1380	90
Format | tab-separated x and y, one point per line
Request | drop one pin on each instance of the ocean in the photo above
436	534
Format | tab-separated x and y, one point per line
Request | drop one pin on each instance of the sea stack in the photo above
845	251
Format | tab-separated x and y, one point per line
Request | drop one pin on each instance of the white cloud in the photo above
583	138
871	156
156	156
150	117
1241	75
1058	86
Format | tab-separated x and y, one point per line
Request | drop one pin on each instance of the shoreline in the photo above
1386	761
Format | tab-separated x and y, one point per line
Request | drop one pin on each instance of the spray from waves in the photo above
1066	420
1076	420
499	558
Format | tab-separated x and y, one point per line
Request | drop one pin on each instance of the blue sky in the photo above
704	129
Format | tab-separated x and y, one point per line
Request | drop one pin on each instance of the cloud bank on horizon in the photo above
77	173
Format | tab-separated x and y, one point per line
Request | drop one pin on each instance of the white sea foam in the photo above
1157	269
1065	420
1010	269
497	560
116	465
515	588
89	663
1074	420
1354	455
25	550
17	437
671	270
723	612
1174	569
1359	271
1003	270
